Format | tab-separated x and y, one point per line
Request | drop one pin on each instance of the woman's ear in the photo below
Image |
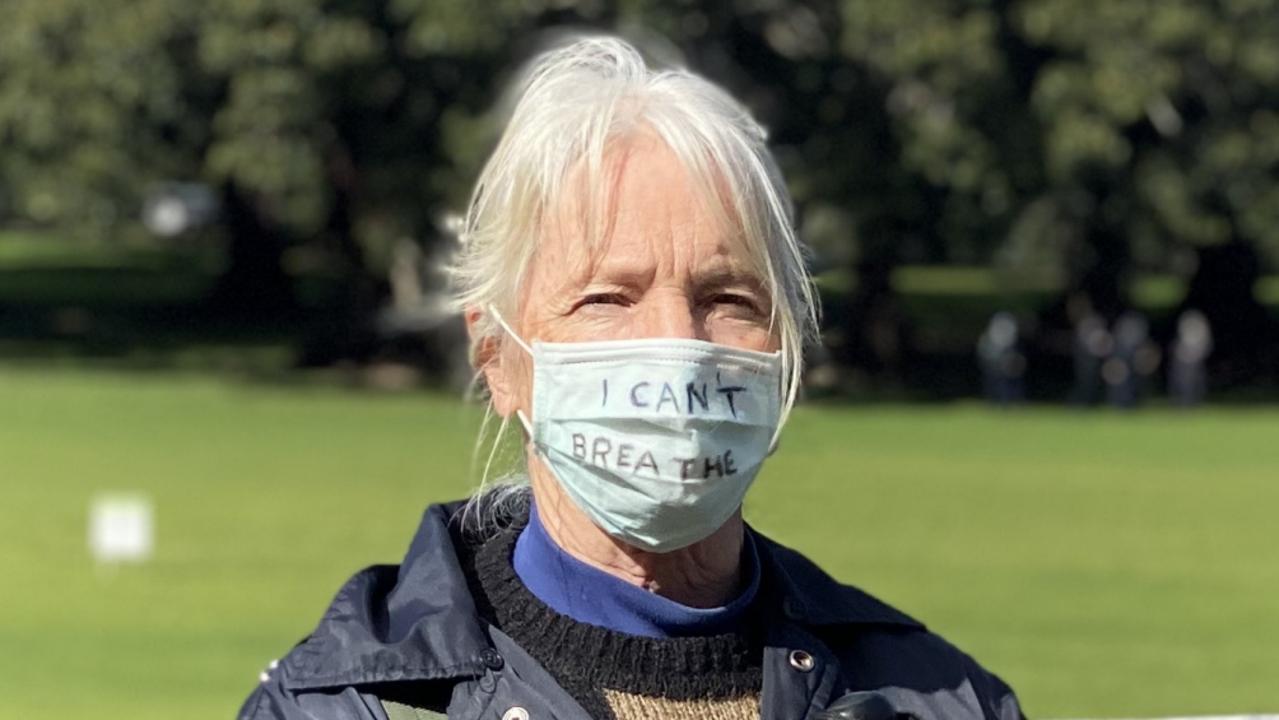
488	360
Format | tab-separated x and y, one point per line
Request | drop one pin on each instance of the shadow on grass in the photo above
144	316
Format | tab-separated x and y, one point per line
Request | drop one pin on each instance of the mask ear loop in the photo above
777	434
509	330
519	414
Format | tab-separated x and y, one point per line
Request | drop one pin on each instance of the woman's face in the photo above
667	268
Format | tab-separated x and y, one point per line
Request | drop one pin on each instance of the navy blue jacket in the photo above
411	633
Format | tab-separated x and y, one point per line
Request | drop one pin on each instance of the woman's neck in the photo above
706	574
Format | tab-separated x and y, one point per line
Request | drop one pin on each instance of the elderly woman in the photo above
637	302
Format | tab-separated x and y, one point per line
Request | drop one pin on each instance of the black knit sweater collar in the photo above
586	658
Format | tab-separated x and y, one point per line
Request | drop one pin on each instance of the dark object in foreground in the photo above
863	706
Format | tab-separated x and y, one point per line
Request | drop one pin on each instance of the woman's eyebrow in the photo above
619	276
724	277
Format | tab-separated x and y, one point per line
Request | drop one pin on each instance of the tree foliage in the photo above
338	125
1077	137
1071	133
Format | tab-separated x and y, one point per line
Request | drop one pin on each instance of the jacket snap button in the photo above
801	660
492	659
515	713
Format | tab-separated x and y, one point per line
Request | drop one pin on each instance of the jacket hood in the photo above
418	621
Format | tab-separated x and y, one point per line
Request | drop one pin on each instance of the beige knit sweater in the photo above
629	706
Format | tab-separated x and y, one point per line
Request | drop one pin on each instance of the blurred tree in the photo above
340	126
1078	138
1094	137
90	109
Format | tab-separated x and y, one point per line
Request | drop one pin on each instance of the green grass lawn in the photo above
1104	564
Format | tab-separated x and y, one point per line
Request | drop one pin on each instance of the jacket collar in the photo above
418	621
812	597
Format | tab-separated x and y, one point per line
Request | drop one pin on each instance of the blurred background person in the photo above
1187	369
1132	361
1002	363
1092	344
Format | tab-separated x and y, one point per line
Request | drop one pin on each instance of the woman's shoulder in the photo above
880	646
415	621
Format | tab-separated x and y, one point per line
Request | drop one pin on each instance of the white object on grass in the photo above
121	528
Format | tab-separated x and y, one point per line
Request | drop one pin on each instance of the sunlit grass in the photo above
1105	564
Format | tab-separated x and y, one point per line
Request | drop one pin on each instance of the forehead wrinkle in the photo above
666	200
617	221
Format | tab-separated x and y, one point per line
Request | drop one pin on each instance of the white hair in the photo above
574	103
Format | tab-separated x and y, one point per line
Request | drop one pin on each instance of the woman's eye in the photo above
740	302
603	299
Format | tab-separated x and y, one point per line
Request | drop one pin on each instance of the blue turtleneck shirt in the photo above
590	595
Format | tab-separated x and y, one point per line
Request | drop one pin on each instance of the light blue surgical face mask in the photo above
656	440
